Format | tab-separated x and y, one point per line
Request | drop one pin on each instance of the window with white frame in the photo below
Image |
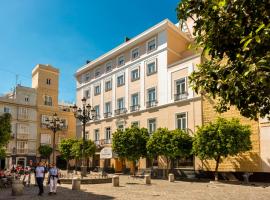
97	89
107	107
23	129
135	54
97	73
152	125
108	66
97	110
6	110
151	45
23	112
96	135
120	80
135	74
135	99
22	145
47	100
87	93
151	94
121	60
108	133
87	77
120	103
181	121
151	67
181	86
108	85
87	136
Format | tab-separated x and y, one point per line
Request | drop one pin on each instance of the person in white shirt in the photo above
40	171
53	178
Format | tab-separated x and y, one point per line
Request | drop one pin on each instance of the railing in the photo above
26	151
107	114
134	108
152	103
23	116
120	111
96	117
181	96
23	136
103	142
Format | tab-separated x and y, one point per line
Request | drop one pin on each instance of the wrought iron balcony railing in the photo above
134	108
120	111
180	96
107	114
152	103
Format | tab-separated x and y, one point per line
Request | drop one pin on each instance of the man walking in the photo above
40	172
53	179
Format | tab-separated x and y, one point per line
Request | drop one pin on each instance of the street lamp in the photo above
54	124
84	115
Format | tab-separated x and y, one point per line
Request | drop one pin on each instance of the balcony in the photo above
107	114
22	136
150	104
96	117
103	142
181	96
26	151
134	108
120	111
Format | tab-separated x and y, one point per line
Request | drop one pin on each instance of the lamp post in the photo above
54	124
84	115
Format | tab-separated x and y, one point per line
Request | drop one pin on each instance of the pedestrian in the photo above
40	172
53	178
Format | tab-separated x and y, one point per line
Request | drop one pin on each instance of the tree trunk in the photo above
76	165
67	165
216	169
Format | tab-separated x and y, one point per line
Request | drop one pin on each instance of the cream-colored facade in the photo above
45	79
21	104
143	81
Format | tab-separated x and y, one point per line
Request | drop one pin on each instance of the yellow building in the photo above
142	81
45	79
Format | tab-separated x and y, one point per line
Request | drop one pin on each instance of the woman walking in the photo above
53	179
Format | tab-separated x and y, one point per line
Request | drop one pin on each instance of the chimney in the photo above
127	38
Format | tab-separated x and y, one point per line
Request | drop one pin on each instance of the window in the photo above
120	103
120	80
48	81
135	99
135	123
151	68
107	107
135	75
65	123
108	135
151	94
45	139
181	86
87	77
97	73
26	98
96	135
22	147
23	112
135	53
97	89
151	45
109	67
121	60
121	127
152	125
48	101
6	110
181	121
87	135
97	110
108	85
87	94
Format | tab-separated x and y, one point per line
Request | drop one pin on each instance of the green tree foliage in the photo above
65	149
221	139
76	150
235	35
5	132
169	144
45	151
130	143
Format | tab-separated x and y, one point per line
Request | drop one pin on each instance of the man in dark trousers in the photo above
40	173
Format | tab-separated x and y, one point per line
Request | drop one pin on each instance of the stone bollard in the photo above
147	179
76	183
171	177
115	181
17	188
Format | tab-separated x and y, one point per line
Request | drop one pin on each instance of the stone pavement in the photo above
159	190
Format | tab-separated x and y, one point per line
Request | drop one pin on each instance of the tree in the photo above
131	143
65	149
235	36
169	144
45	151
220	139
76	150
5	132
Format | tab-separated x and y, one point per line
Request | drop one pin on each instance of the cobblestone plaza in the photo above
159	190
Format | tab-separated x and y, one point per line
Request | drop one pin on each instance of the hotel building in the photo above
142	81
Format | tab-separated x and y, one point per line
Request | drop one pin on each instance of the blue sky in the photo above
66	33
